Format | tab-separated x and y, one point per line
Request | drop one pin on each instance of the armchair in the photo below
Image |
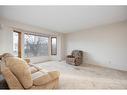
75	58
20	75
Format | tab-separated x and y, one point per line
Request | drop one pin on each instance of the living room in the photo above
48	37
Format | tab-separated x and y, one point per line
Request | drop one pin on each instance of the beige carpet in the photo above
87	76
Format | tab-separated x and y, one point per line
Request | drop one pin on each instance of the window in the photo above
53	46
35	45
17	43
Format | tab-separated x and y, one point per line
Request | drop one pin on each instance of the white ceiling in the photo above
65	18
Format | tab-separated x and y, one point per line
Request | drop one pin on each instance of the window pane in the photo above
35	46
15	43
54	46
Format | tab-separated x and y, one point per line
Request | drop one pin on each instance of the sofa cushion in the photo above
33	69
21	70
11	80
23	74
40	78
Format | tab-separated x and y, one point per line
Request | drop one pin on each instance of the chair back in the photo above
77	53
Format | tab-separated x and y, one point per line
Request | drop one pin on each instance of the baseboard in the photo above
106	66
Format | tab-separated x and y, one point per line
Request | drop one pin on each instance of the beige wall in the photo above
104	45
6	38
60	47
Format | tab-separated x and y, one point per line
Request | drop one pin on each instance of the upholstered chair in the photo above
75	58
20	75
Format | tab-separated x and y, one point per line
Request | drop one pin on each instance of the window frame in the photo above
19	43
51	46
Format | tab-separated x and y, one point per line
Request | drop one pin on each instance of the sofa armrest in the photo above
54	74
41	78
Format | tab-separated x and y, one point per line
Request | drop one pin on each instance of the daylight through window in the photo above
15	43
53	46
35	45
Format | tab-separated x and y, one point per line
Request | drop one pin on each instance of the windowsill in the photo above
54	55
37	56
39	59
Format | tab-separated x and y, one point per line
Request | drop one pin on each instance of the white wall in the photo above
60	48
103	45
6	38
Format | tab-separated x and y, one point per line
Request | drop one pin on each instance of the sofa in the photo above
75	58
21	75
